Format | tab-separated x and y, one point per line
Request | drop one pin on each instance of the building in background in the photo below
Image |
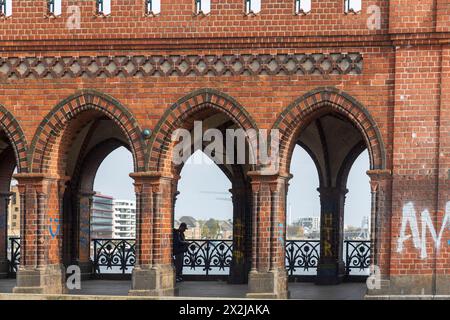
311	223
304	228
194	230
102	217
14	213
358	233
226	230
124	219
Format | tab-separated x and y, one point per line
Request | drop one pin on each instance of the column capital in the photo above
379	174
262	175
86	193
332	191
377	177
39	181
152	176
273	180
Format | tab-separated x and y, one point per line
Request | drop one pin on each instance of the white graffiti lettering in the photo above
419	236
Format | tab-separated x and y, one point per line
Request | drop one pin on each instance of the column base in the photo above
238	274
43	280
268	285
87	270
156	280
330	273
4	269
443	284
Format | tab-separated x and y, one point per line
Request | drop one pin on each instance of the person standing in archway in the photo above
180	246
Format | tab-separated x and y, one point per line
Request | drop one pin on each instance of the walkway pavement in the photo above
214	289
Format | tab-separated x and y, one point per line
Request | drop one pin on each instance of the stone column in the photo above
41	268
240	262
153	274
268	276
331	268
4	265
83	241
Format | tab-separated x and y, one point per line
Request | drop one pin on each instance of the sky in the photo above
204	187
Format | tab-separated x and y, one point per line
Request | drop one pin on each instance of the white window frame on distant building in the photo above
100	7
151	8
200	7
349	6
300	7
5	8
54	8
250	9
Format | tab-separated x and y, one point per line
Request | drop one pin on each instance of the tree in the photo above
295	231
210	229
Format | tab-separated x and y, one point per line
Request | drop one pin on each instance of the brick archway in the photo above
186	107
301	115
14	132
298	114
57	120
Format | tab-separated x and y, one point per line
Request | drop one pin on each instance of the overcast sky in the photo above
204	188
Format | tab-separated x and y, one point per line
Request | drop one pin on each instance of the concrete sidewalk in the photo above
116	289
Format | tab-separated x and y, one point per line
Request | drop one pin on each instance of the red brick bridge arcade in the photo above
76	85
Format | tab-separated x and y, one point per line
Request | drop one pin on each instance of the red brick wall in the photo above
263	97
404	85
420	158
176	20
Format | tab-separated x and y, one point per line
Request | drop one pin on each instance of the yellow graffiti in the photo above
327	249
238	257
328	232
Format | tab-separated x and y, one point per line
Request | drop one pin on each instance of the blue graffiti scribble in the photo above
85	230
448	242
280	232
50	227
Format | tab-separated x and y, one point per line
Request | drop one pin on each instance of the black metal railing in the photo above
113	255
206	257
357	256
14	254
302	255
214	257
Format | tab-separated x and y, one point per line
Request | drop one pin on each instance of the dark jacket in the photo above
179	243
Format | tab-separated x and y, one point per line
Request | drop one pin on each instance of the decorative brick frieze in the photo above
12	68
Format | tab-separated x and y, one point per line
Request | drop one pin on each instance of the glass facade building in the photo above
102	217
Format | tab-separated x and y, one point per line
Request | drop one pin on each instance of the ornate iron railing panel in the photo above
14	254
213	257
357	255
206	257
302	255
116	256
